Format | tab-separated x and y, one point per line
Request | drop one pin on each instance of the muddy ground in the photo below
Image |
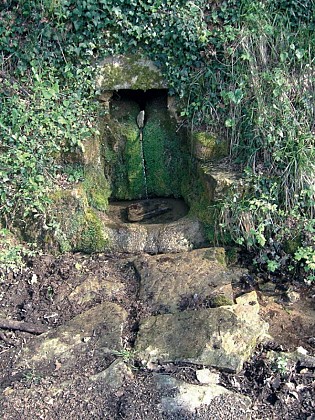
37	294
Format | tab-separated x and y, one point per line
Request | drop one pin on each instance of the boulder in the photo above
218	179
128	72
181	235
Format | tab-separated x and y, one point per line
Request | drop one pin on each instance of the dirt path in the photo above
48	292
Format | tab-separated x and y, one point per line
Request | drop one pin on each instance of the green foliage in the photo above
263	104
244	69
74	172
281	364
12	253
306	255
35	129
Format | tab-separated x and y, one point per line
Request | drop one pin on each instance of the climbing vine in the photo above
244	70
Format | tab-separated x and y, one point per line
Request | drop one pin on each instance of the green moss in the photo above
292	245
163	152
131	72
92	238
77	226
201	206
162	163
220	300
97	188
162	149
219	255
133	162
67	206
208	147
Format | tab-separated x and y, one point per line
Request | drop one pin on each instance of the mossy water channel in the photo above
148	166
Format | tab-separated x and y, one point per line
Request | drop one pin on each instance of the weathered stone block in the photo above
217	179
178	396
221	337
181	235
169	282
75	336
128	72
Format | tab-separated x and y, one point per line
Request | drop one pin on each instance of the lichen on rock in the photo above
128	72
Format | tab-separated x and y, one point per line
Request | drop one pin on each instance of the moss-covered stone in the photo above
202	205
128	72
220	300
97	188
207	146
92	236
164	152
77	226
92	151
162	149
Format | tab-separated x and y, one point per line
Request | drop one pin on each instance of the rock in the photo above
205	376
268	287
115	376
93	287
222	337
181	235
218	178
76	336
208	147
291	296
179	396
146	210
128	72
177	281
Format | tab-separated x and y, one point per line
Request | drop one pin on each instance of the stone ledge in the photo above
128	72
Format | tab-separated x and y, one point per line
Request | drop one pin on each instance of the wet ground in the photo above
38	294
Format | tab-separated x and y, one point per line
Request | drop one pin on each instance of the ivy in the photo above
231	62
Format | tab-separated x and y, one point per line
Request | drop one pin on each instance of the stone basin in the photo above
176	209
172	231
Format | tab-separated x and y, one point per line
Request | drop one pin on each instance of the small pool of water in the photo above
118	211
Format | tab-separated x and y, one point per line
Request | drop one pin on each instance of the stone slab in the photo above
221	337
182	235
64	342
93	287
168	282
128	72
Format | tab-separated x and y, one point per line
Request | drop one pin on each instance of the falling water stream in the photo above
143	165
140	122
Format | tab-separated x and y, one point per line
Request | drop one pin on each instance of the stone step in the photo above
222	337
173	282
